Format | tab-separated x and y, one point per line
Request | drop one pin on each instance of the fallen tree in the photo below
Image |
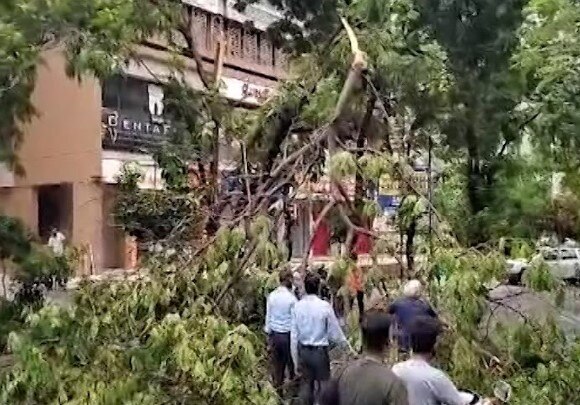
185	334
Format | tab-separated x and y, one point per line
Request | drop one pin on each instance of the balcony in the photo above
248	49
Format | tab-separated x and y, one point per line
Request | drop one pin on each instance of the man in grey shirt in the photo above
426	384
368	381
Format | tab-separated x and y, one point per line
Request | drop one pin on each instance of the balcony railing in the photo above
247	48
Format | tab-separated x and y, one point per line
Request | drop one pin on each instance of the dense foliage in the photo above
169	215
526	349
33	269
174	336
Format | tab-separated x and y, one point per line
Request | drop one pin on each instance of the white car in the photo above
563	261
515	269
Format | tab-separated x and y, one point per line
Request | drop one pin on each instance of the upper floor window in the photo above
126	94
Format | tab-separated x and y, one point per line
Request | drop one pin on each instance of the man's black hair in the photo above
423	331
375	330
285	276
311	283
353	255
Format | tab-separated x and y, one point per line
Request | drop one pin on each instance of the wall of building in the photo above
20	202
62	144
261	14
88	219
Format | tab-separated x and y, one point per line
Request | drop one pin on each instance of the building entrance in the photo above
55	209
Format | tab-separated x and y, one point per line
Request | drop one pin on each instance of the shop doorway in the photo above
55	209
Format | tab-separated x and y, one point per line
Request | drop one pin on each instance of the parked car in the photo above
563	261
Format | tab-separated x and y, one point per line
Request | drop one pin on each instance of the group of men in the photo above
302	329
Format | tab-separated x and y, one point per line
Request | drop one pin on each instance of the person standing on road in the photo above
356	284
56	242
368	381
406	309
325	292
279	307
314	327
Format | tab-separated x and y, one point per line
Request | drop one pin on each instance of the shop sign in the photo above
244	90
259	93
125	132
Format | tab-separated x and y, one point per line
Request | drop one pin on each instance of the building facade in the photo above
85	132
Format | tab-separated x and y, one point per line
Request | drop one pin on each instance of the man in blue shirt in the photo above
314	327
406	309
279	308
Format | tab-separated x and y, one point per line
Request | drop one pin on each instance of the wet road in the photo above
510	303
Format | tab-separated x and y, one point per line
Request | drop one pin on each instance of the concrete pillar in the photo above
88	219
22	203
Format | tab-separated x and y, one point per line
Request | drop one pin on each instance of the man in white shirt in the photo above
279	308
314	327
427	385
56	242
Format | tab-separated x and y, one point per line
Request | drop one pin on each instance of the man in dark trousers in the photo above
367	380
279	307
314	327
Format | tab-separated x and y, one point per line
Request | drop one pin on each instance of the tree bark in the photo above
361	143
410	246
473	172
4	288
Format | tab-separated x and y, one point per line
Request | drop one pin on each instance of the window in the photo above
111	92
568	254
550	255
126	94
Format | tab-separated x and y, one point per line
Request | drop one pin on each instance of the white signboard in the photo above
245	91
113	162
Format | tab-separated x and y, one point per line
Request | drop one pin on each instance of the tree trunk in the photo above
410	247
4	288
359	189
361	142
474	175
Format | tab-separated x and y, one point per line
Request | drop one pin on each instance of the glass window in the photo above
126	94
111	93
550	255
134	98
568	254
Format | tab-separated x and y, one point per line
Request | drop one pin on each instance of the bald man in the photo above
407	308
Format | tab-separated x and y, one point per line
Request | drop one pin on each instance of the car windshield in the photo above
550	254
